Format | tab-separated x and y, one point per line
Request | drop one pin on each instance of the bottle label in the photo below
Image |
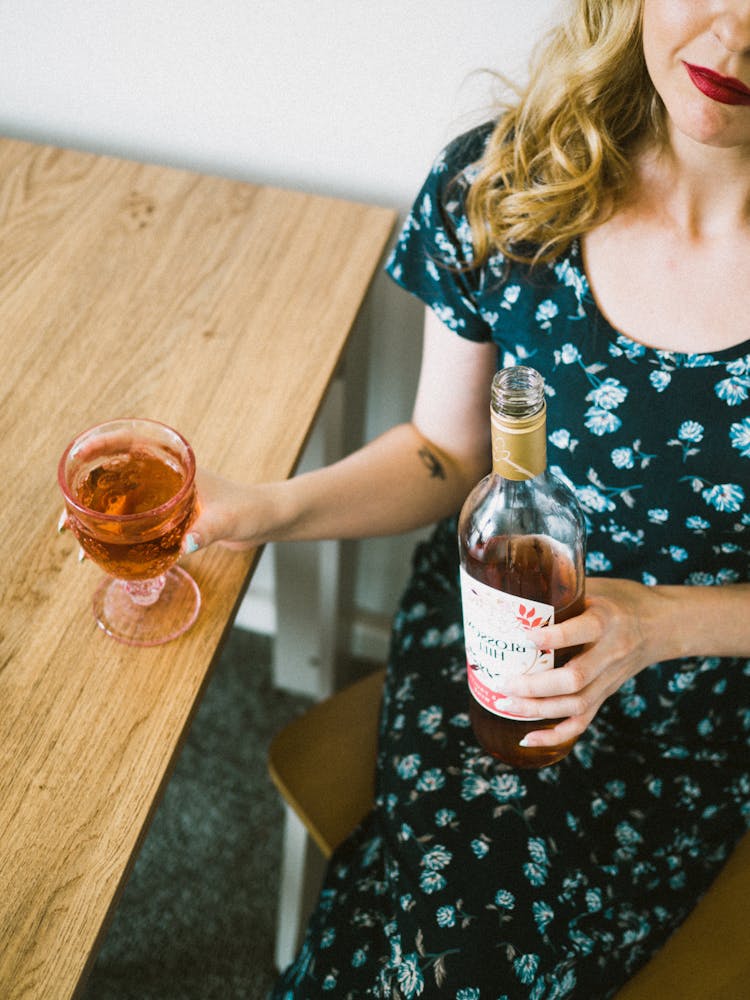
495	627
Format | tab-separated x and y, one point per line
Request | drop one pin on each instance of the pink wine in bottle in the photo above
521	538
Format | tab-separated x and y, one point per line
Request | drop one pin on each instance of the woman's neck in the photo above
671	267
701	191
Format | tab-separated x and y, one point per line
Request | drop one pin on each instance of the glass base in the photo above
139	624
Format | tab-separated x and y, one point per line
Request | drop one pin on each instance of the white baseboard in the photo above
369	634
257	613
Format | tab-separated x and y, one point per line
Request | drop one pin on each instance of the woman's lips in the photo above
724	89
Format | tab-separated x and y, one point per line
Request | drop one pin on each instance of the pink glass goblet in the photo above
129	489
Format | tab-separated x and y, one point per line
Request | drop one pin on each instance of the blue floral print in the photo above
470	879
739	435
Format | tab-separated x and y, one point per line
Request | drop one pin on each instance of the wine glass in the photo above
129	488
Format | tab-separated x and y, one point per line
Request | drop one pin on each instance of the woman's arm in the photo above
410	476
626	627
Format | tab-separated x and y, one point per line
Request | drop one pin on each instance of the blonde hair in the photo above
558	160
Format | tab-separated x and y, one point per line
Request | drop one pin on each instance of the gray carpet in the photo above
197	917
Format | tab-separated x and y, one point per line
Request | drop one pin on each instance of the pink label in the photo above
497	648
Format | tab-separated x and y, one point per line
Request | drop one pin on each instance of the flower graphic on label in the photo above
496	626
528	617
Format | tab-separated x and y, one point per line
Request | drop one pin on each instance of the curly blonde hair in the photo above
560	159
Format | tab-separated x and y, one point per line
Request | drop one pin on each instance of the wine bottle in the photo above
521	537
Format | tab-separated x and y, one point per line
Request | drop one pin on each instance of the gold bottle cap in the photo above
519	445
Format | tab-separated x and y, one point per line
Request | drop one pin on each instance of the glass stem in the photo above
145	592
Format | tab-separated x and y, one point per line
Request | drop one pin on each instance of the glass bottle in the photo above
521	537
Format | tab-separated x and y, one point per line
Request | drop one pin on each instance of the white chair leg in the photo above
307	580
302	868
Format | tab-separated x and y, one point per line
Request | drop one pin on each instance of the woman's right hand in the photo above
216	520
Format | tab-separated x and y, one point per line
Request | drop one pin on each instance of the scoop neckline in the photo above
680	359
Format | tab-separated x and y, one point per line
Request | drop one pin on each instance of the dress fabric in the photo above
471	879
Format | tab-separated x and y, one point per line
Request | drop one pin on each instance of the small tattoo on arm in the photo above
433	463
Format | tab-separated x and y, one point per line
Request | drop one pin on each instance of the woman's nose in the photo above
732	26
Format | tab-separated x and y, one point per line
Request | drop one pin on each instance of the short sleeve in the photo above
433	255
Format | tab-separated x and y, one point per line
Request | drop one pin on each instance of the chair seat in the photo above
323	763
708	957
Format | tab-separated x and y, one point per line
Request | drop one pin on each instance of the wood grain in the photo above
127	289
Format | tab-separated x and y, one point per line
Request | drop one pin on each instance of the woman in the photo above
600	231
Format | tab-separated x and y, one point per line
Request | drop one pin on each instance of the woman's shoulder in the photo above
459	159
468	147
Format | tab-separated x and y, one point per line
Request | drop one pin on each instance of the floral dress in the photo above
474	880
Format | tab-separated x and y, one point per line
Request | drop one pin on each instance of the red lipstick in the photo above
724	89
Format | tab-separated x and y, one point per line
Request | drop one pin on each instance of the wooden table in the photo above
221	308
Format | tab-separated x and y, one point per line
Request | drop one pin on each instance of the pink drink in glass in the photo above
130	497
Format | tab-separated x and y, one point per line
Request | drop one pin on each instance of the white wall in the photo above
344	97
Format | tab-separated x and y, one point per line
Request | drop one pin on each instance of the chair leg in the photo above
302	869
307	580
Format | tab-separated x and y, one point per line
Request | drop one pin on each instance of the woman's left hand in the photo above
622	630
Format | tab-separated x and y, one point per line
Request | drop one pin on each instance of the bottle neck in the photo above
519	445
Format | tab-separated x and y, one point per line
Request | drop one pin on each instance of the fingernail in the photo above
62	522
192	543
81	555
525	743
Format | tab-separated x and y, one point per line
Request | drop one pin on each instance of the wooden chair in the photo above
323	764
